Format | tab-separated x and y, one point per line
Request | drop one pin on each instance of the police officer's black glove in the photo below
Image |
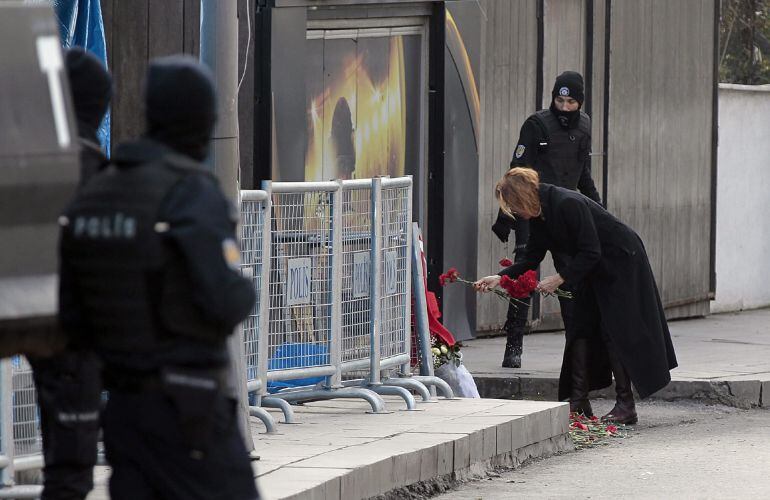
502	226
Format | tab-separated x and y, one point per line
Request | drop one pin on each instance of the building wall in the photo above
743	199
660	140
507	86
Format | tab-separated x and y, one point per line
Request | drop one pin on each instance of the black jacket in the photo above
610	261
534	142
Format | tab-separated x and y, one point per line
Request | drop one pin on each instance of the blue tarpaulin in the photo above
81	24
297	356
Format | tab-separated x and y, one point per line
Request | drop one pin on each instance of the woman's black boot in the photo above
578	400
624	411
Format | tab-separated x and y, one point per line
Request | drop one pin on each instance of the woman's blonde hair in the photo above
517	191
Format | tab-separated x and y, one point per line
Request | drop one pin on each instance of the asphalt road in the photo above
678	450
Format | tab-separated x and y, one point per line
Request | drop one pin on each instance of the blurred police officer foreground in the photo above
149	278
69	382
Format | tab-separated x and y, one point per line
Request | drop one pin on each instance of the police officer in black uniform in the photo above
149	275
69	383
557	143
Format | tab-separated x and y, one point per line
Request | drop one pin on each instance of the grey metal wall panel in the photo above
507	87
136	32
564	41
597	93
660	139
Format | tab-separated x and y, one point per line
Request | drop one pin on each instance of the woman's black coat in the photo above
616	294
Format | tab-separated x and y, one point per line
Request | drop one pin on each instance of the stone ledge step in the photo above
448	439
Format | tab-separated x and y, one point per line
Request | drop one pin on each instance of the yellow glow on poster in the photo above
357	126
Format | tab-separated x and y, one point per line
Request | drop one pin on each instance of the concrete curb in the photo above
428	457
737	393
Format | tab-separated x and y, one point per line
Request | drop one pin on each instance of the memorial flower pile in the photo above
443	352
590	431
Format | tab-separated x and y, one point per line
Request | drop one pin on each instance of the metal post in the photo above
335	344
406	369
264	291
376	282
6	422
219	51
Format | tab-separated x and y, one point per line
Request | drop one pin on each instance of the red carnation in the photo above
612	429
506	262
529	280
452	274
442	279
507	284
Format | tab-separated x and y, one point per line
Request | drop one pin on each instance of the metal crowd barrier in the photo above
20	437
332	265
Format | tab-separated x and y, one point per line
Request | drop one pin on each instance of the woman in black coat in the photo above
616	293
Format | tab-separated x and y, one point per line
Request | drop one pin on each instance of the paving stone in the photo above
445	458
504	438
476	446
413	467
462	453
490	443
560	420
290	481
429	463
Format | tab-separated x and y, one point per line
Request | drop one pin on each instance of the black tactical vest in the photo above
132	286
560	160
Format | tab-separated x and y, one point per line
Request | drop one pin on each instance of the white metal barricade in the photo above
27	439
356	274
255	262
395	284
300	327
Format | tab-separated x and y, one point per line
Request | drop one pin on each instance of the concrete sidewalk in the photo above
722	358
340	451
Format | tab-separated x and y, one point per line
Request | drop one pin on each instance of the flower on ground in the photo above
612	429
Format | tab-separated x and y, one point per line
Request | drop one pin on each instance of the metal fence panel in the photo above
395	286
301	280
356	268
254	206
27	439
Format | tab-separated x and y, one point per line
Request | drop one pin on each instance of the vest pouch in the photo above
194	394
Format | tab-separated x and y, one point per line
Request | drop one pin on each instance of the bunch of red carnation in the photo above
450	276
521	287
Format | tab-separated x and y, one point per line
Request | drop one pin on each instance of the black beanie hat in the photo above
91	87
569	83
180	104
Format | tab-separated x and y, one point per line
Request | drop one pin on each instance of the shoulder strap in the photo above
584	125
547	122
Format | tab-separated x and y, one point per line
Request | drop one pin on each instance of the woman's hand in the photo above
550	284
487	283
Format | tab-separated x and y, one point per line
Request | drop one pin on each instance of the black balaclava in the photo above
180	105
91	88
568	84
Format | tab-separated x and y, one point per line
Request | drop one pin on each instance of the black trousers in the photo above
69	397
151	458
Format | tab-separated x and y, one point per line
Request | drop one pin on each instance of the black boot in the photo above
513	345
578	400
624	411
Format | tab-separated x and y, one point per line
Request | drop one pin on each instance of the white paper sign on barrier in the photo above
298	277
391	269
361	264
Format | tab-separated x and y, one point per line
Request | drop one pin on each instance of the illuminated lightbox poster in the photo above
362	104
